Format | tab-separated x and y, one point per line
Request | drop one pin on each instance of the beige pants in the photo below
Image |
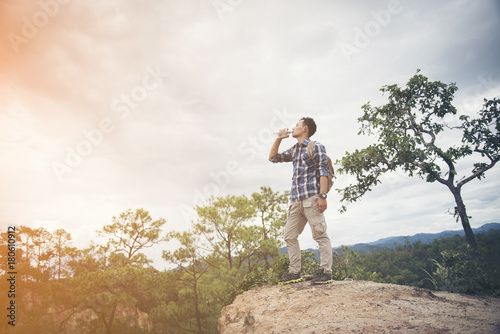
299	214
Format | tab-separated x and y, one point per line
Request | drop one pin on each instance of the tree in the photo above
93	258
408	127
271	209
105	291
27	235
189	260
62	240
223	226
130	233
38	245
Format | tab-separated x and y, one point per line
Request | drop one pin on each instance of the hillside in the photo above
425	238
358	307
390	242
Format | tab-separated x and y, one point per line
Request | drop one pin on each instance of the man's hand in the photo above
321	205
277	142
283	133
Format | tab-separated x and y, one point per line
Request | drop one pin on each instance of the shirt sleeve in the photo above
285	156
320	159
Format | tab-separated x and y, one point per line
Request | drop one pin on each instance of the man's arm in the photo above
275	148
323	185
323	179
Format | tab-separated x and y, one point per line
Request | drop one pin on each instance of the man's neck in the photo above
302	138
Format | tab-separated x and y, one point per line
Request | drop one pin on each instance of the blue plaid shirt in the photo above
305	180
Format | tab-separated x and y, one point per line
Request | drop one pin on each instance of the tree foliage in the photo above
130	233
271	210
412	130
224	226
192	268
444	264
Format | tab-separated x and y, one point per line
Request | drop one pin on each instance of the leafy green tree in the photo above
90	259
103	291
26	235
224	225
408	127
157	297
62	241
271	211
130	233
190	262
37	243
250	245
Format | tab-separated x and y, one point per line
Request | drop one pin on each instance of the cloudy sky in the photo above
113	105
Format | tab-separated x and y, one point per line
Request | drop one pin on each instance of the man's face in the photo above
299	129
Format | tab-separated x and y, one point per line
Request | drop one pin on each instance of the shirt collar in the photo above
305	142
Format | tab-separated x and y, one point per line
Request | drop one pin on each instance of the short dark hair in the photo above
311	125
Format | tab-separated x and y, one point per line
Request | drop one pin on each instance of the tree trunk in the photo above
109	324
229	255
266	253
197	306
462	213
59	269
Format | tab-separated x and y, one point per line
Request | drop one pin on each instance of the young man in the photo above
308	200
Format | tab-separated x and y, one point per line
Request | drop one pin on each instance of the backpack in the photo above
331	171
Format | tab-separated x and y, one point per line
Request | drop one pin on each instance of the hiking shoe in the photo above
322	278
289	277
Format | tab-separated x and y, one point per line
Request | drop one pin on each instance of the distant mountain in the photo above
390	242
425	238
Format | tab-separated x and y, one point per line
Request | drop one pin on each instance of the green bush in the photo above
461	272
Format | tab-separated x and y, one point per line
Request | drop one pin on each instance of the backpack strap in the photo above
310	149
310	152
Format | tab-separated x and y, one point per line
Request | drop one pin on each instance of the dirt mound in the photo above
358	307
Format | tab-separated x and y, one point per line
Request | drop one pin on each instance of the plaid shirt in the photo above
305	180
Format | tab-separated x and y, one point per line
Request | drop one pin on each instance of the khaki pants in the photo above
299	213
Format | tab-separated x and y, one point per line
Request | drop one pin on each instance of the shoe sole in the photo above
291	281
322	282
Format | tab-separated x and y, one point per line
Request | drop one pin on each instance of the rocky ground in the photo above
358	307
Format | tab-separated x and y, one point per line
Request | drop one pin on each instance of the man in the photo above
308	200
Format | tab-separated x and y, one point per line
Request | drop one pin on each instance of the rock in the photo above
75	322
359	307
